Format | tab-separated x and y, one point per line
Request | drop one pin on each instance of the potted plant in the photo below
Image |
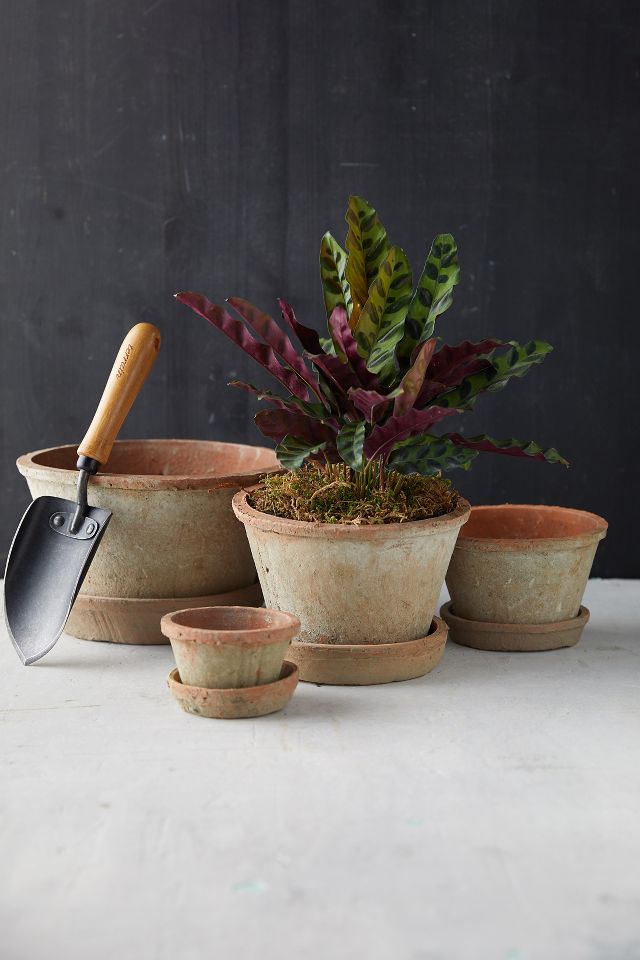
356	537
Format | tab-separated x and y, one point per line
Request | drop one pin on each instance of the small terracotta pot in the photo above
523	564
224	647
364	584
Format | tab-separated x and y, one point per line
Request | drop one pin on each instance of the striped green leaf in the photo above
381	322
509	448
350	443
293	451
333	265
516	362
427	455
367	246
433	295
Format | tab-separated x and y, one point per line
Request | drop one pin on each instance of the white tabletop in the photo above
488	810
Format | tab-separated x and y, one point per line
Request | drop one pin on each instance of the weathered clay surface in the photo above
523	563
369	663
131	620
352	584
234	704
173	533
515	637
222	647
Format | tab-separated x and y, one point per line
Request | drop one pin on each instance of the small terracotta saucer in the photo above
236	702
515	637
359	664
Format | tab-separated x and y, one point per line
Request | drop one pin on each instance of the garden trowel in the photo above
56	540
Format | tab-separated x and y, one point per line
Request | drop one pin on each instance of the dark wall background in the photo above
147	147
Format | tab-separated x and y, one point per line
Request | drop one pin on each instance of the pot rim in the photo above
534	544
343	531
31	469
285	626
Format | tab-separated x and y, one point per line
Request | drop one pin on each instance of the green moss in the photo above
336	494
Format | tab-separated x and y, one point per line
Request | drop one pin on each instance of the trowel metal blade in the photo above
45	570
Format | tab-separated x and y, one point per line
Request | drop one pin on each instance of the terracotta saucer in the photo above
132	620
236	702
515	637
368	663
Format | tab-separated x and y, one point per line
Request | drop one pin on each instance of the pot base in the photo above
368	663
131	620
236	703
515	637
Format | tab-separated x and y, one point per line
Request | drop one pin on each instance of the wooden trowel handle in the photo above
134	361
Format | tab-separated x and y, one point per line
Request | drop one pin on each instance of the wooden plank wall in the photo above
147	147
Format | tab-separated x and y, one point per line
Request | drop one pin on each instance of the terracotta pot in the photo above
352	584
234	704
523	564
172	533
223	647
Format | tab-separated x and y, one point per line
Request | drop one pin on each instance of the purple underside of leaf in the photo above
277	424
413	380
238	333
308	337
266	327
450	365
340	377
279	402
385	436
370	403
339	326
429	390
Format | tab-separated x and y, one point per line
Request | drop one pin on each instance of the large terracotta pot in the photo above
172	534
523	564
368	584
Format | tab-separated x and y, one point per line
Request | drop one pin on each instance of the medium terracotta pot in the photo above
350	584
224	647
173	533
523	564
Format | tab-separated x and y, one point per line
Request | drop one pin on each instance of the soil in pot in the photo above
523	564
229	647
352	582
